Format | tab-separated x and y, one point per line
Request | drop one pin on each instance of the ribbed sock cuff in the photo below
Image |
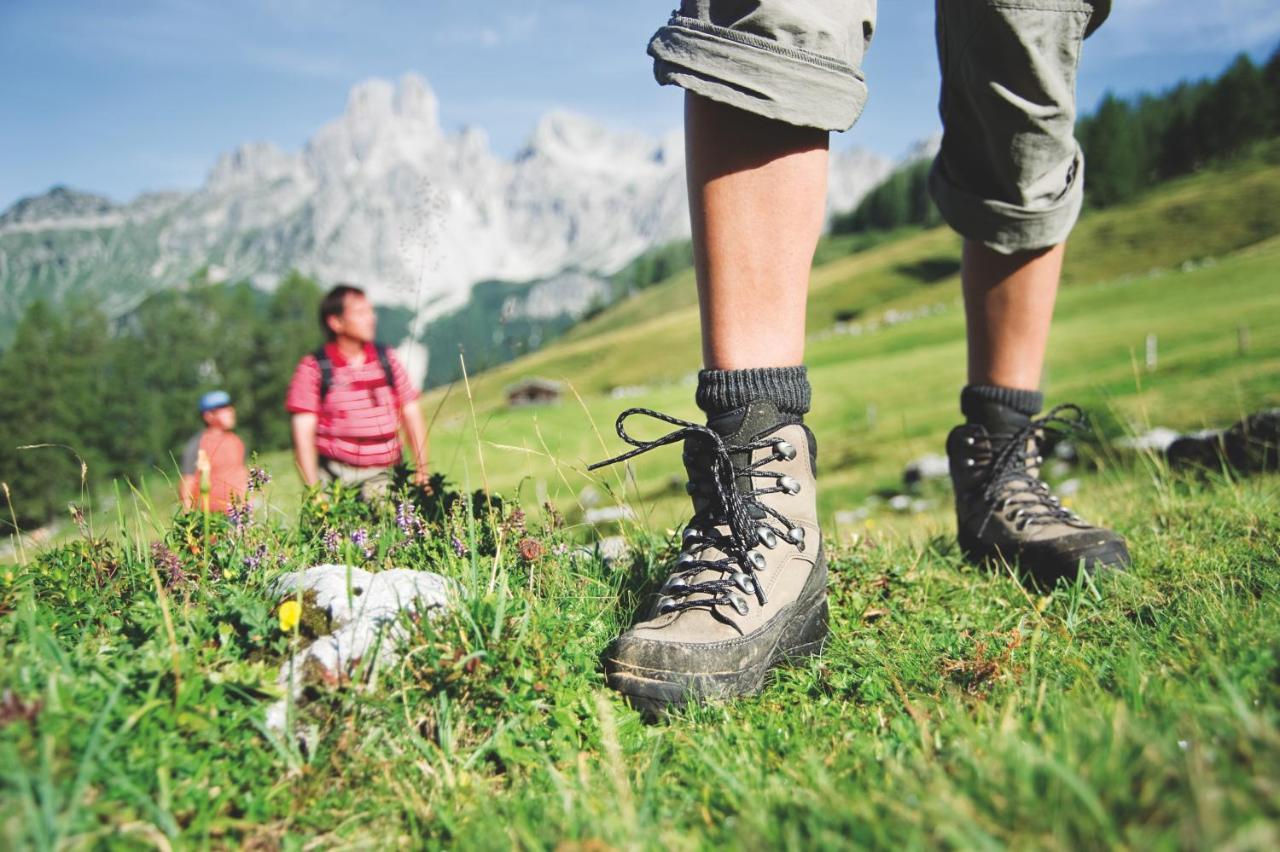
999	409
720	391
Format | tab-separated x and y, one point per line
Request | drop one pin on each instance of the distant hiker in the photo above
765	82
213	471
349	400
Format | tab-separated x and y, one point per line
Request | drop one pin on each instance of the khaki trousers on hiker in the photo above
1009	174
373	482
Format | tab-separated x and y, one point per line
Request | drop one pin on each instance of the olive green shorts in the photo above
1009	173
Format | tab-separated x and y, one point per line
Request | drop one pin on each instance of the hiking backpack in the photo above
326	370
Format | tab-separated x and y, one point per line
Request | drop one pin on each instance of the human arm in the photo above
303	425
415	430
188	488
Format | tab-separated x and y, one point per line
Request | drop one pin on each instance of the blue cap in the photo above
214	399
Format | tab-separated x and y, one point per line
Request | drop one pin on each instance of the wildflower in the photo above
360	538
258	477
458	547
167	564
514	524
331	541
407	519
531	550
77	516
254	560
290	614
239	513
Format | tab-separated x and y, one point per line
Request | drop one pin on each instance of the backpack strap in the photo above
326	371
385	361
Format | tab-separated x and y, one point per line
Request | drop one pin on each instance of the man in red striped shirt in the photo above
349	401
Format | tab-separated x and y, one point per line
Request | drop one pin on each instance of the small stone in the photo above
1157	439
928	467
900	503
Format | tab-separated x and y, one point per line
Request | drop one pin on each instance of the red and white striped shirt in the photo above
359	421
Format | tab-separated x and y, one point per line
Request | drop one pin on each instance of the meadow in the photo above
954	707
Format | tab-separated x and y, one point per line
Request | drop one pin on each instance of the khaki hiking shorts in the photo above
1010	172
373	483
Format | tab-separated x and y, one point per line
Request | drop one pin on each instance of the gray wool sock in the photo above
721	391
999	409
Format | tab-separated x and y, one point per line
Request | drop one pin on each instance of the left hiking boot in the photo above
1005	511
1250	446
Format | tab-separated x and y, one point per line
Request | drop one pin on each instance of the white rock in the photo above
364	610
1157	439
609	514
932	466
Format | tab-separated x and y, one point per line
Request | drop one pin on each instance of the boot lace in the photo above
1020	495
746	521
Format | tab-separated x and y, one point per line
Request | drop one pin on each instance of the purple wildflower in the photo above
258	477
254	560
407	518
360	538
168	564
239	514
331	541
458	547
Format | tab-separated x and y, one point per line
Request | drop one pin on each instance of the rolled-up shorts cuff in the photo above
754	74
1004	227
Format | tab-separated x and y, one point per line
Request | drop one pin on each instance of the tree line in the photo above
1129	144
121	394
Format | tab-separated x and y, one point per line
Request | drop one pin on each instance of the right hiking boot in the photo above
1250	446
749	587
1006	512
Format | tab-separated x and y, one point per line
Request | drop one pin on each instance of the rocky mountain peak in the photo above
60	202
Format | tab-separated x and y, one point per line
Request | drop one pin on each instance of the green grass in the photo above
953	707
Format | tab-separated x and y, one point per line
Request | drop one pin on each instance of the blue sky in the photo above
122	96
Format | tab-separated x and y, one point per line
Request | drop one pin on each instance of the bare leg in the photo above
1008	301
757	195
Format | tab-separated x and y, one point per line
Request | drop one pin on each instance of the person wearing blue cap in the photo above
214	476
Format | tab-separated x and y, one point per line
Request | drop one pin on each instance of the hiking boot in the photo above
1005	511
749	588
1250	446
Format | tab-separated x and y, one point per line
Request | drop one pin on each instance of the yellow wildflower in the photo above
290	614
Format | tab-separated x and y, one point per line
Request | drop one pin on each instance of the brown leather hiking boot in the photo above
749	588
1251	445
1005	511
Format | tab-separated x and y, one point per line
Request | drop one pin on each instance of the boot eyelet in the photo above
666	605
789	485
690	532
676	586
784	451
739	603
795	535
743	582
757	560
685	559
969	462
969	441
766	536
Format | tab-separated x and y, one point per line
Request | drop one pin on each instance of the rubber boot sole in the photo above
1111	556
803	633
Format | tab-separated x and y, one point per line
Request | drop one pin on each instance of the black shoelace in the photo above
745	517
1032	504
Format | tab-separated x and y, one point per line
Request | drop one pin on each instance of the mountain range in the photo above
382	196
